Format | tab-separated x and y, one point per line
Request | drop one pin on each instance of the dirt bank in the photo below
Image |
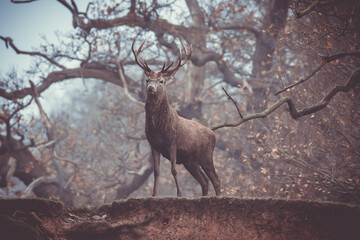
173	218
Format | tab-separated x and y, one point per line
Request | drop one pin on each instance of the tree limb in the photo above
229	76
42	144
309	9
29	190
233	101
8	41
326	59
58	76
138	180
50	132
76	169
43	115
256	32
158	26
65	4
7	118
25	1
295	114
122	77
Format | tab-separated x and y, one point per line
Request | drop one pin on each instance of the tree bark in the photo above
273	22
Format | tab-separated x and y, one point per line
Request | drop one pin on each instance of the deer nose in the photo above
151	89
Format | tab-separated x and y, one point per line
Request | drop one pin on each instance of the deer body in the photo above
180	140
163	125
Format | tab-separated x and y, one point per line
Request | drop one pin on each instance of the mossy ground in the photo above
180	218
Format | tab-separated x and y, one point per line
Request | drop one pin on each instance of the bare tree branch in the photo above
65	4
74	6
256	32
25	1
58	76
29	190
326	59
7	118
309	9
50	132
76	168
43	115
42	144
8	41
133	6
137	182
158	26
233	101
229	76
353	80
122	77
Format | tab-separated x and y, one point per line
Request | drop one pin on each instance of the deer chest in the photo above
162	144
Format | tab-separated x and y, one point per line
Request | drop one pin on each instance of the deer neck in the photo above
157	109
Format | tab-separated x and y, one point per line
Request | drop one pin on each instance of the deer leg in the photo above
156	159
195	170
173	167
209	169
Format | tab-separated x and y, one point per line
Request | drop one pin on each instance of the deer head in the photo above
155	82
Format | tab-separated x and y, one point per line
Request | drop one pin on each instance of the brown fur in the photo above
180	140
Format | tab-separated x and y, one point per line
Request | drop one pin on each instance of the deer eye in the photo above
161	81
147	80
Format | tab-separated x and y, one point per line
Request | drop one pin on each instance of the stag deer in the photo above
180	140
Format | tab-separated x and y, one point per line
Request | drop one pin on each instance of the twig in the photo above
309	9
76	168
43	114
8	41
353	80
234	102
326	59
37	145
122	77
29	190
140	172
50	132
25	1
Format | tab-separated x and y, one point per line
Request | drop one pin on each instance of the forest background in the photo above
277	81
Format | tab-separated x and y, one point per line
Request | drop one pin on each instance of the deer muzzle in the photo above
151	88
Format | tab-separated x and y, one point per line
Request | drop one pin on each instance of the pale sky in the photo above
24	23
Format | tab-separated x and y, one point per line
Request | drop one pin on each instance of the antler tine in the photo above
132	47
143	63
181	62
183	46
147	67
180	57
187	53
141	46
164	69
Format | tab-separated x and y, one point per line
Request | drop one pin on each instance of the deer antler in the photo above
142	63
180	63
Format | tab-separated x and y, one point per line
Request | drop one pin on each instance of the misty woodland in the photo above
260	96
